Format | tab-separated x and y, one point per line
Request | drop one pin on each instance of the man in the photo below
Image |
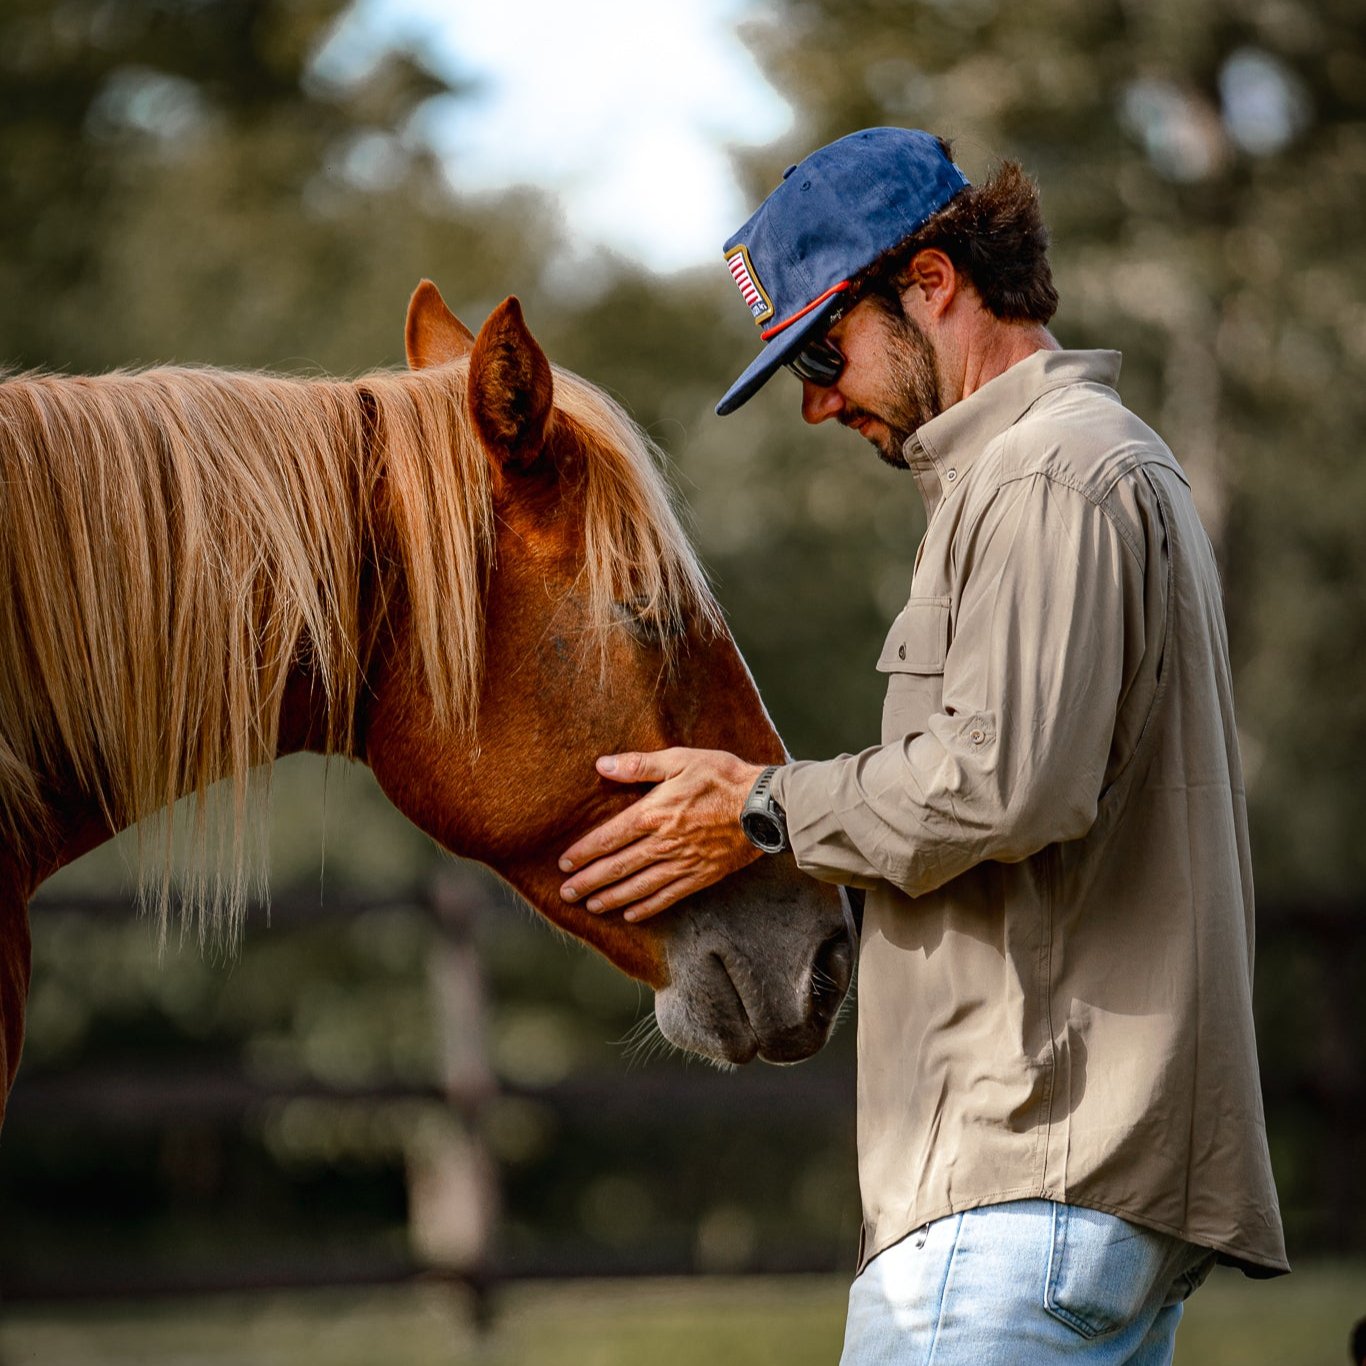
1060	1118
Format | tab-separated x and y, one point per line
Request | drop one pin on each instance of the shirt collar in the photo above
942	451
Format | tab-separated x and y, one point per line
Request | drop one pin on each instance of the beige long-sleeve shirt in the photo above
1056	968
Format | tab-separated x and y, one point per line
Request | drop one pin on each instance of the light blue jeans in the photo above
1027	1283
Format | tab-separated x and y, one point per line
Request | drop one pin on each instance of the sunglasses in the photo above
821	361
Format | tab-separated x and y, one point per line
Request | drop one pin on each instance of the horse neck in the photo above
76	823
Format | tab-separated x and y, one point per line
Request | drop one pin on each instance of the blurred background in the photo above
402	1071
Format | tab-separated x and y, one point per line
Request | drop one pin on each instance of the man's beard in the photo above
913	396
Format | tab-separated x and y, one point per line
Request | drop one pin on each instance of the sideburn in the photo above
915	398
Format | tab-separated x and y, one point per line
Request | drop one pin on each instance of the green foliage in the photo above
181	181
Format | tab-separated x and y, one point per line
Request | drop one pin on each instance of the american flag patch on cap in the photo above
742	272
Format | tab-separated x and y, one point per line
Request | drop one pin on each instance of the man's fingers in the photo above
629	825
626	892
651	767
685	828
622	862
622	831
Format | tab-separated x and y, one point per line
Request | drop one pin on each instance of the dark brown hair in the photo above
995	236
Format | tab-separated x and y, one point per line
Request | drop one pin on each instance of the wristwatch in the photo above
761	818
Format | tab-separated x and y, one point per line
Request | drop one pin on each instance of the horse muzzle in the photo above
758	966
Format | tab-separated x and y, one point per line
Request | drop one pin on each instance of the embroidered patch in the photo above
742	272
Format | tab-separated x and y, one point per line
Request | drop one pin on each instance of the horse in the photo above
467	575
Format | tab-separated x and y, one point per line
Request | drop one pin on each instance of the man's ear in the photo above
511	389
933	278
433	334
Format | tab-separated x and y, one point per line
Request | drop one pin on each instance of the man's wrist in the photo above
762	817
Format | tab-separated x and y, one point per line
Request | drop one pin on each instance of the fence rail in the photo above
454	1196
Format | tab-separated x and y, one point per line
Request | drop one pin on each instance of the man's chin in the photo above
888	446
886	442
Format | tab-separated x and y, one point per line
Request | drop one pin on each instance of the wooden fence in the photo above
454	1184
1315	1087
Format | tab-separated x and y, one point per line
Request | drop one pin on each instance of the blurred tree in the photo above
192	180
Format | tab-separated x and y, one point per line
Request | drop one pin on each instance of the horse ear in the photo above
433	334
510	388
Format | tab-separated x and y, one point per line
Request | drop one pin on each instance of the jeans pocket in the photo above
1101	1270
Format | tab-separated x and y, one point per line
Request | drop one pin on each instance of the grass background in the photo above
1300	1320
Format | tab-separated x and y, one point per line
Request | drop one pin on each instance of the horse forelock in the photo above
176	539
636	547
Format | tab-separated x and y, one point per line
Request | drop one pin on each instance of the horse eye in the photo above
648	629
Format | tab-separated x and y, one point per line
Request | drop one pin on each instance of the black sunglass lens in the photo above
818	362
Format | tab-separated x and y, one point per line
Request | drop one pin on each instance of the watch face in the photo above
764	830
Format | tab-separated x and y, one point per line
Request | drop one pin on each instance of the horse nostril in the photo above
831	970
728	989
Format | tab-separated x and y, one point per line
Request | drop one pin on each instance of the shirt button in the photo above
977	736
901	652
950	475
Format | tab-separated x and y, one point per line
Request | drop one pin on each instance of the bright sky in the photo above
623	110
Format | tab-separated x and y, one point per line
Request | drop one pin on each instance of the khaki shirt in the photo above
1055	978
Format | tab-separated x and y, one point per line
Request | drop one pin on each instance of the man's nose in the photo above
820	401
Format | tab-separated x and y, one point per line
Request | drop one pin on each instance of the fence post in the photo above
452	1178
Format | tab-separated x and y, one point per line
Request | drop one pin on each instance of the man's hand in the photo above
681	836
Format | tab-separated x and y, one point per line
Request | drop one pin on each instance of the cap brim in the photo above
775	353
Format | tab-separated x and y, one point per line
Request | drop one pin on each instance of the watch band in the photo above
761	810
758	794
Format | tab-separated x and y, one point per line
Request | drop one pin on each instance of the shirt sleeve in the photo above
1016	757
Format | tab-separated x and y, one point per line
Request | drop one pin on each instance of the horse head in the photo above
599	636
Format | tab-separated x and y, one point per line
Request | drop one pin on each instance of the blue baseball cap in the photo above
832	216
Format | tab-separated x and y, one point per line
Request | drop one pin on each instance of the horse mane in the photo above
175	540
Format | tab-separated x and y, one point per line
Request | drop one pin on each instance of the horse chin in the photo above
724	1035
758	967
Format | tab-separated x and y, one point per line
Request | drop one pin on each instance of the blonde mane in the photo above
176	540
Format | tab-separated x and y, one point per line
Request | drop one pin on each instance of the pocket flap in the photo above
918	640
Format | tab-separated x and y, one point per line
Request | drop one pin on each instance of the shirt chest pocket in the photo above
913	660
